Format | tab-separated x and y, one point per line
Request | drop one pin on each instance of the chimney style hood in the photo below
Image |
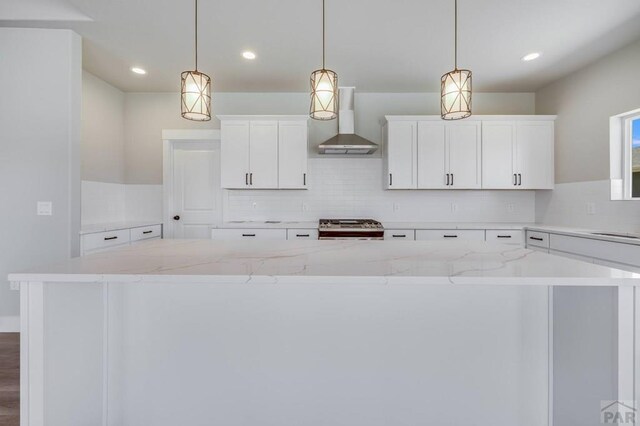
347	142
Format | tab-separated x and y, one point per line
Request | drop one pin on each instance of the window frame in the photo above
627	156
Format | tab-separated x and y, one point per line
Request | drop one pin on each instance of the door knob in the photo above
176	217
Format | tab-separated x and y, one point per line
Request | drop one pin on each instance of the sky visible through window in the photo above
636	133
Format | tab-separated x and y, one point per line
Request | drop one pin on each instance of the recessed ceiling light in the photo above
248	55
531	56
138	70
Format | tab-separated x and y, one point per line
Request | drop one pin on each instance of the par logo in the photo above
618	412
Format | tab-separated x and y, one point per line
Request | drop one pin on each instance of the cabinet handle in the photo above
504	236
515	179
246	179
147	232
304	179
451	179
450	236
536	239
390	179
447	179
519	179
303	235
399	236
110	238
248	235
250	178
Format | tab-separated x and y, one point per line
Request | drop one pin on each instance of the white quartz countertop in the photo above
588	233
114	226
267	225
329	262
387	225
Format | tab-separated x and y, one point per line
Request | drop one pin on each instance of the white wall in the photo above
102	131
353	187
40	82
104	202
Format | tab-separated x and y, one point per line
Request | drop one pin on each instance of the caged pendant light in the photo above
455	87
324	87
196	88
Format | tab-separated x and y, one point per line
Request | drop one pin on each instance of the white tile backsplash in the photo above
353	187
114	202
587	205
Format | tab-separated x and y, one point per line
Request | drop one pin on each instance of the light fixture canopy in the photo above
455	87
324	87
195	88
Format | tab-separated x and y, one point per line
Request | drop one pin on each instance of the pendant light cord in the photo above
456	36
323	35
196	26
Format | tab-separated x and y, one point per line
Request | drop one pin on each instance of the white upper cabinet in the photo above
401	147
485	152
518	154
293	153
264	152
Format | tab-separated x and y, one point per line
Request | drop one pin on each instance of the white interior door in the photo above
464	154
197	195
432	169
263	155
498	141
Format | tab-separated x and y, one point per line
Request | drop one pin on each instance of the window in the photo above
634	141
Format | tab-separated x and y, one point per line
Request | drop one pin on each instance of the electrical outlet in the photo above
454	207
511	208
45	208
396	207
591	209
254	205
305	207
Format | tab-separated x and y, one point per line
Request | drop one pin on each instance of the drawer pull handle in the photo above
504	236
248	235
399	236
147	232
536	239
451	236
303	235
110	238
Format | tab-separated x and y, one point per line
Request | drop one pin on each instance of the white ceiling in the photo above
376	45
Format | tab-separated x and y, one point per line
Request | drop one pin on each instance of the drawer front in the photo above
537	239
450	235
302	234
400	234
102	240
609	251
504	236
249	234
146	232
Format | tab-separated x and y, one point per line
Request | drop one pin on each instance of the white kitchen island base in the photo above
154	343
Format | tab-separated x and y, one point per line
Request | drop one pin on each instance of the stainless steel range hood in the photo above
346	141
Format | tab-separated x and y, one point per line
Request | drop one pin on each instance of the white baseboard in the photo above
10	324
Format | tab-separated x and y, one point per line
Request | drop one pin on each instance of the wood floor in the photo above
9	379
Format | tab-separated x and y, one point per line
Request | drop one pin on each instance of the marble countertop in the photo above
387	225
586	233
329	262
266	225
114	226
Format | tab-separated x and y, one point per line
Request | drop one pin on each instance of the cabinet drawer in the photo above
450	234
146	232
400	234
538	239
610	251
302	234
504	236
249	234
102	240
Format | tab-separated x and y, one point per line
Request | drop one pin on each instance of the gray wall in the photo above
40	82
147	114
584	101
102	131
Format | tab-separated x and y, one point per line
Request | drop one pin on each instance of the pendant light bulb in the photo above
455	87
195	87
324	87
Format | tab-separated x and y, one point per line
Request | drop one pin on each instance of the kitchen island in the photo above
300	332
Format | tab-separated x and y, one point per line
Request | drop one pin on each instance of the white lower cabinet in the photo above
248	234
450	234
538	239
146	233
400	234
98	242
511	237
302	234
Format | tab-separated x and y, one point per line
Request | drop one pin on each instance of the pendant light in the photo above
196	89
324	87
455	87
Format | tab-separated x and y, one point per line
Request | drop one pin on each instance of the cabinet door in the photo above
432	168
248	234
234	152
534	154
498	142
464	155
401	155
263	155
292	154
450	235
